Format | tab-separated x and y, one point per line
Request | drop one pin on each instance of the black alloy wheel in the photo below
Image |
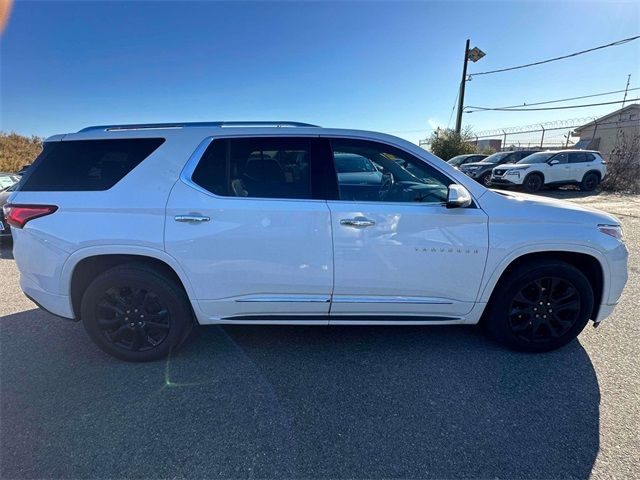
589	182
134	319
136	312
544	309
539	306
533	183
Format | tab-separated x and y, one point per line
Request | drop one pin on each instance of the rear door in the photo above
249	223
580	162
398	250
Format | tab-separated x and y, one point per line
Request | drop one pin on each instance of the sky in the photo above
393	67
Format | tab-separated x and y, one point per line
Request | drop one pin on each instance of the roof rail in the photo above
153	126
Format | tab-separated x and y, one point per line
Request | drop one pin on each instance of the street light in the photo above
474	55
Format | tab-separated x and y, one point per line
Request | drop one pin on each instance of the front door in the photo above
252	230
558	172
398	250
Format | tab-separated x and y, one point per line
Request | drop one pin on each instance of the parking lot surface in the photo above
320	402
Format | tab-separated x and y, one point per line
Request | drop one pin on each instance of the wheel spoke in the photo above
161	326
139	339
119	333
109	323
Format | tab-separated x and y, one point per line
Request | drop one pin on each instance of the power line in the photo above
483	109
453	108
556	101
619	42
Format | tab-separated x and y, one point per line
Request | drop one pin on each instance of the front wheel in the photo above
486	179
135	313
533	182
540	306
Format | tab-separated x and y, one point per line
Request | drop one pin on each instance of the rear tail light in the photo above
18	215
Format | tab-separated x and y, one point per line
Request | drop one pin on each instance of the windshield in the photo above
456	161
496	157
541	157
353	164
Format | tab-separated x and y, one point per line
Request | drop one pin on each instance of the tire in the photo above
533	182
135	313
485	179
590	182
567	302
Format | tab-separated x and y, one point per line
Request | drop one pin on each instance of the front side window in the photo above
375	172
561	158
257	167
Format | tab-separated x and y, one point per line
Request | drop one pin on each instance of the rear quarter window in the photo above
86	165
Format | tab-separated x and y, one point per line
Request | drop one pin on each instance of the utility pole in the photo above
462	85
474	55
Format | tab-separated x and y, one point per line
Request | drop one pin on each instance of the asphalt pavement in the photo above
323	402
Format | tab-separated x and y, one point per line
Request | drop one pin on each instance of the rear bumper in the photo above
59	305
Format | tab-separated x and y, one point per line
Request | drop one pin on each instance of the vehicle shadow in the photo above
295	402
6	249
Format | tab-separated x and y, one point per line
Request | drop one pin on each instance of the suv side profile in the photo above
481	171
554	168
142	231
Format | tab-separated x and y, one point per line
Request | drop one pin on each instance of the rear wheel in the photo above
533	182
540	306
135	313
590	182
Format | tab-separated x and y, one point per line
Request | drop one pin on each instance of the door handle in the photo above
357	222
191	218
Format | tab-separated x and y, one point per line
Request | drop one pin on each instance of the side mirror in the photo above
458	197
554	162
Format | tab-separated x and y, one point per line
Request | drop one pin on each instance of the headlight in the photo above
514	173
614	231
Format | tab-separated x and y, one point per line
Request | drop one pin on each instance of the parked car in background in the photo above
481	171
459	160
555	168
5	228
140	231
8	179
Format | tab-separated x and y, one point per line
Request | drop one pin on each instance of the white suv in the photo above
141	231
564	167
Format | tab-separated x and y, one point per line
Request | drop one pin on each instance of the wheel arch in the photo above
79	271
589	264
535	172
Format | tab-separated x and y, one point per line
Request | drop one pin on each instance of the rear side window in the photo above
579	157
86	165
261	167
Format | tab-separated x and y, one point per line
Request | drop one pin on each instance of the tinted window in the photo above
561	158
257	167
396	177
498	157
580	157
540	157
86	165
